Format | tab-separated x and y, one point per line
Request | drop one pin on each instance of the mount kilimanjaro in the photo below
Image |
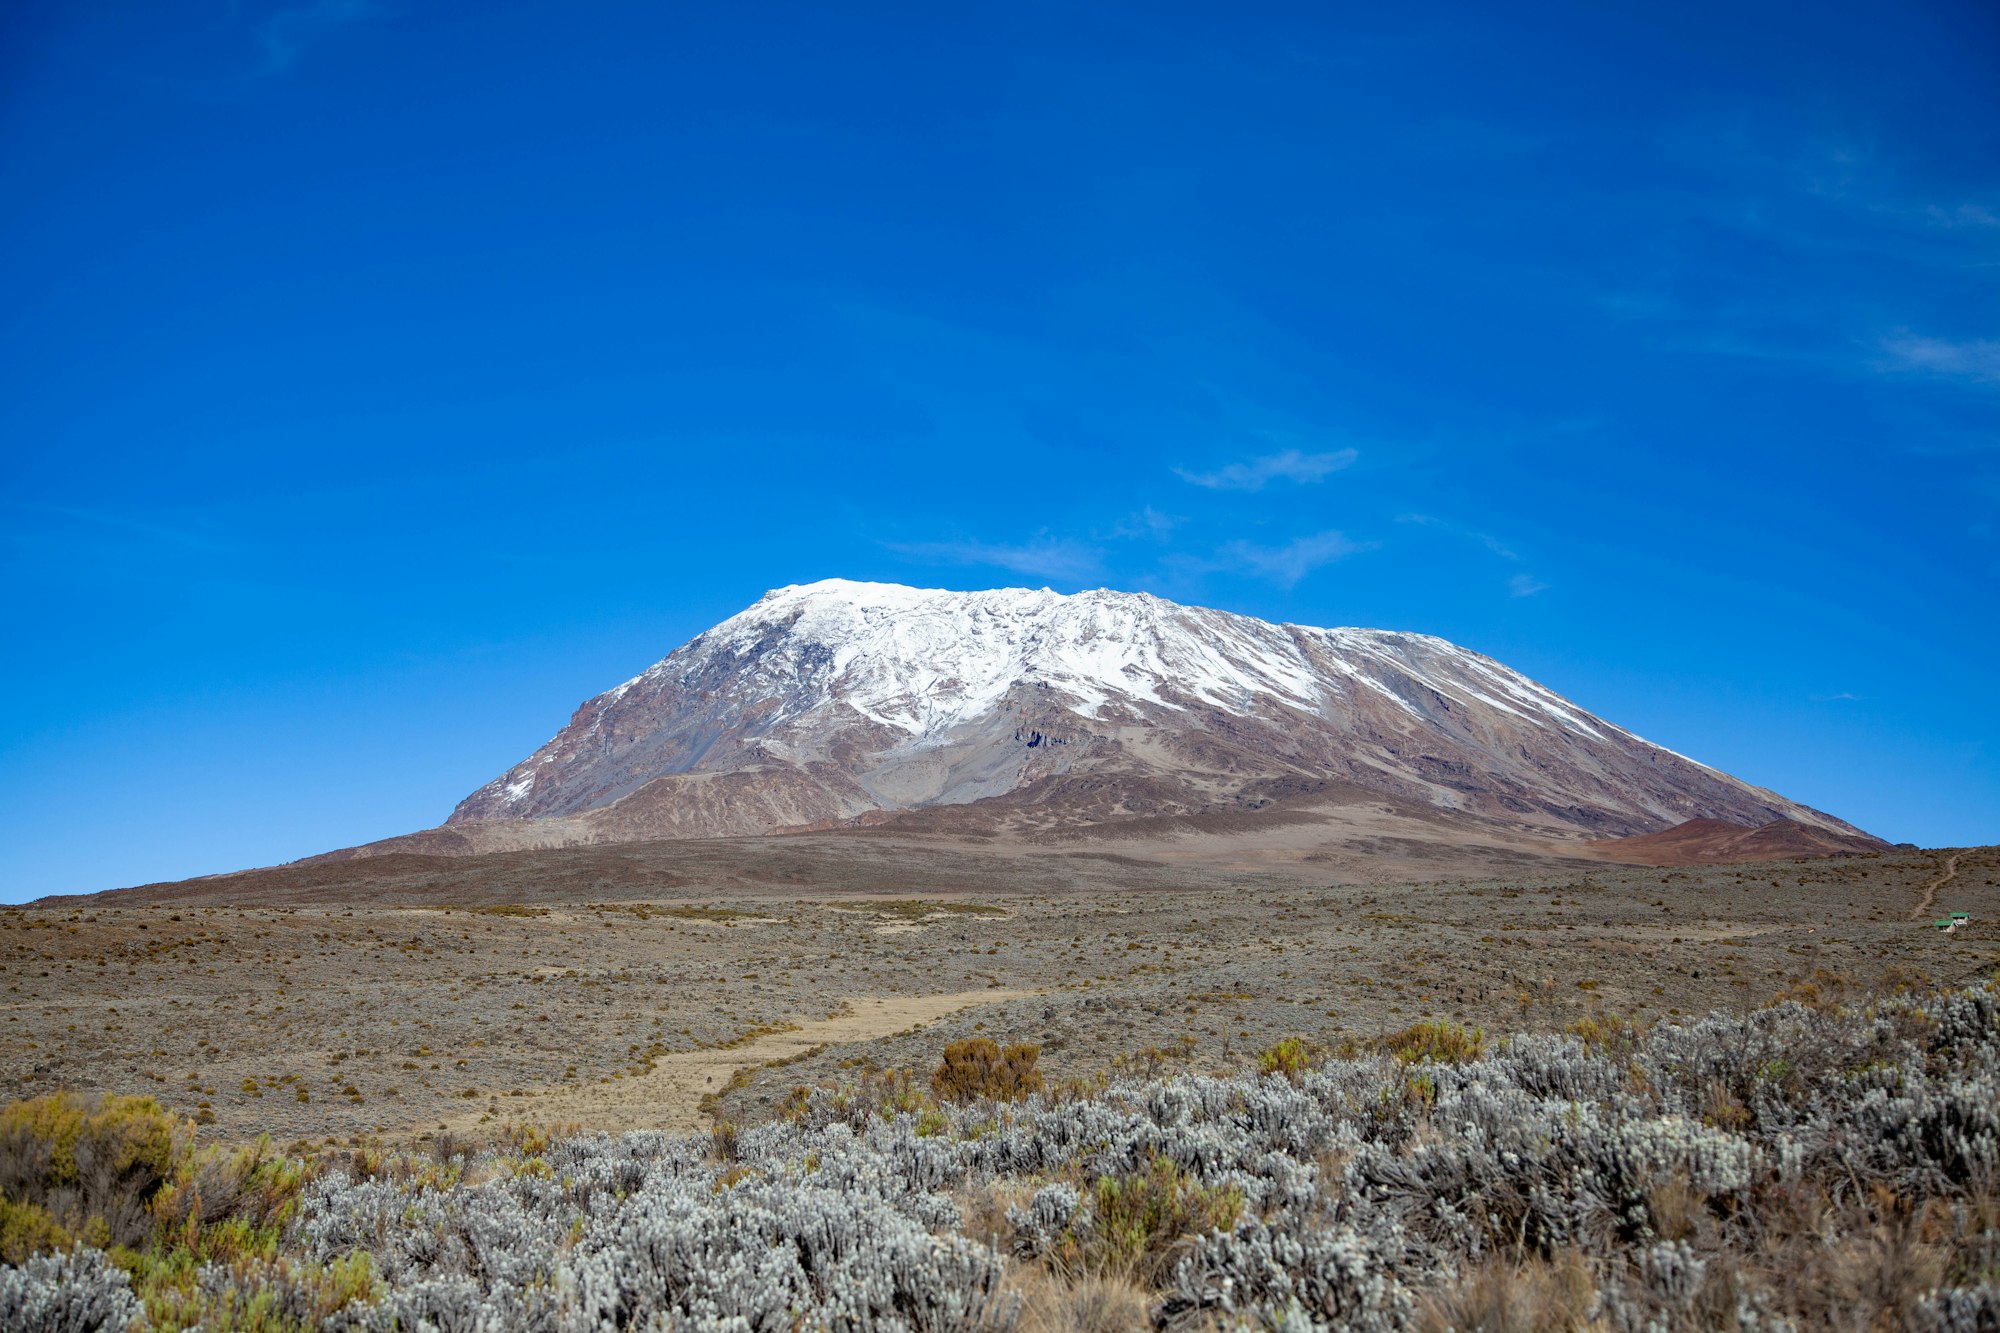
1017	715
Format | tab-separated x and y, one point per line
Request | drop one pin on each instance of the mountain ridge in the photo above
1718	842
1032	714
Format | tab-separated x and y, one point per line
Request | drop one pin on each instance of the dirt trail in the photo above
1931	889
669	1097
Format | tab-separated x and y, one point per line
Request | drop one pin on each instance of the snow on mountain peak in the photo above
922	659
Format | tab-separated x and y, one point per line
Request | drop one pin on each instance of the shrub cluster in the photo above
80	1168
977	1068
1128	1225
1437	1042
1787	1169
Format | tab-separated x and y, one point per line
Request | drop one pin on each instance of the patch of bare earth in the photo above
670	1096
1930	894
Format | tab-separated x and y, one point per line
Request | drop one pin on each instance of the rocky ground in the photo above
280	1007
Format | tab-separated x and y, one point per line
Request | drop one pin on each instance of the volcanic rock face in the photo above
1025	712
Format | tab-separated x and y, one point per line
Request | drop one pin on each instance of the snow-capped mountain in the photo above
1027	712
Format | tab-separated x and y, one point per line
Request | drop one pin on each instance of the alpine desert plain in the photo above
614	987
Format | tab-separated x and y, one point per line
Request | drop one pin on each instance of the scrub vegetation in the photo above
382	1006
1834	1165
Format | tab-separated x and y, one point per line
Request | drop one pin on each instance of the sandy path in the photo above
1931	889
669	1097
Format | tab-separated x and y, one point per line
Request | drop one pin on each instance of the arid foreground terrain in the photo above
397	996
414	1010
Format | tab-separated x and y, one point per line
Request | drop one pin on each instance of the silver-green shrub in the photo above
1363	1185
80	1291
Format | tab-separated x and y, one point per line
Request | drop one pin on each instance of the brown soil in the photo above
1701	842
670	1095
615	986
1925	903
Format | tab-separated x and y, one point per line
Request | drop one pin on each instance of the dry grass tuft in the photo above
1505	1296
1093	1303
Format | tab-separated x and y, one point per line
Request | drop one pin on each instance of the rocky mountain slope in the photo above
1037	715
1714	842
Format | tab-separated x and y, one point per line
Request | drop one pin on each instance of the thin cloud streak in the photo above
1254	474
1964	215
1286	565
1844	208
1519	585
1147	523
1049	558
1975	360
1489	541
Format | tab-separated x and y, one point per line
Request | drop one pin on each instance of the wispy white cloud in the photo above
1486	539
1974	359
1844	696
1843	194
1518	585
1846	214
1292	465
285	34
1898	353
1148	522
1285	565
1042	557
1963	215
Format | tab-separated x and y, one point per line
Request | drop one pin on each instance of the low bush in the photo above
251	1185
1607	1031
873	1094
88	1167
1435	1043
27	1229
1289	1058
978	1069
1134	1223
77	1292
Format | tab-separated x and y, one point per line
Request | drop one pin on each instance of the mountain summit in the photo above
1030	714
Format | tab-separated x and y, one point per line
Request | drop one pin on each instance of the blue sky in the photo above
378	380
